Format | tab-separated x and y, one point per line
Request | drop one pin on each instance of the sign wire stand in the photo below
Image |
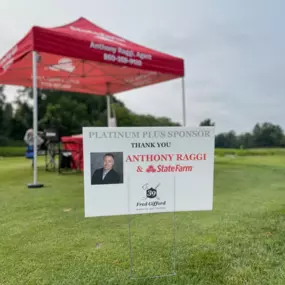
174	251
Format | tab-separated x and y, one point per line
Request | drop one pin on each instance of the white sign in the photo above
147	170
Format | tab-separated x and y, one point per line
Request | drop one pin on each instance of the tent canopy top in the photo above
83	57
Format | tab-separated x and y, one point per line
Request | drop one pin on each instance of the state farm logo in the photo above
109	38
100	35
64	64
167	168
150	168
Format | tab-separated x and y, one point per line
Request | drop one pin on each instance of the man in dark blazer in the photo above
106	175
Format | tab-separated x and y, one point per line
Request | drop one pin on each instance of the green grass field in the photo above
45	238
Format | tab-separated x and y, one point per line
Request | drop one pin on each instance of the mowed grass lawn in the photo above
45	239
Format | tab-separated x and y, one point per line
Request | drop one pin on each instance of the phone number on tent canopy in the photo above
122	59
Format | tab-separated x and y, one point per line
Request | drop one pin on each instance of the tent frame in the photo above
35	60
35	183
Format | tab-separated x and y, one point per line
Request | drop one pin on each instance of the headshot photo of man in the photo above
105	174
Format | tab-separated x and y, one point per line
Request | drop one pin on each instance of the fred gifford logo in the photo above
150	191
150	199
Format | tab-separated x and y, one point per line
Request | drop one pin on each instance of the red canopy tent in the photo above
82	57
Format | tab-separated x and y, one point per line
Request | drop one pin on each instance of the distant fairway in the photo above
45	238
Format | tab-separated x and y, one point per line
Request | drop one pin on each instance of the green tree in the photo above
3	139
70	111
267	135
226	140
207	123
7	117
68	116
245	140
127	118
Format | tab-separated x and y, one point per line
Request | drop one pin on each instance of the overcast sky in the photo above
234	52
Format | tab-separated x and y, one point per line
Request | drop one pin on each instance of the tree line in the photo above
262	135
65	111
68	112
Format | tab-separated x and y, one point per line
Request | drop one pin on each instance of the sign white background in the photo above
179	191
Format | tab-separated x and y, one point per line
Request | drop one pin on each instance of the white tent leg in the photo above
184	120
108	110
35	184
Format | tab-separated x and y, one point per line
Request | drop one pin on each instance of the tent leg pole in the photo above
184	120
108	110
35	184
